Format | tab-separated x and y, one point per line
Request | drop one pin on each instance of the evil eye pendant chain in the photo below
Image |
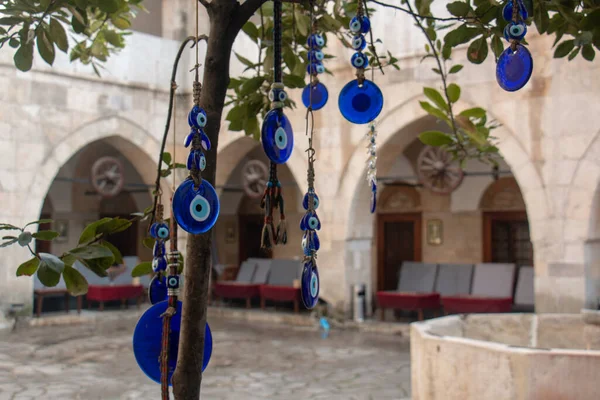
310	223
515	64
159	231
277	140
372	164
195	202
361	100
315	94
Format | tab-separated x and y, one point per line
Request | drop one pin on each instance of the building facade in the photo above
543	211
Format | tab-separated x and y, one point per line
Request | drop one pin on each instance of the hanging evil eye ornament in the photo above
310	224
361	100
159	231
277	139
315	94
515	64
195	203
372	165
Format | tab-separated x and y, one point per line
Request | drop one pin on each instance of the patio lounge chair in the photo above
415	290
253	273
280	286
40	292
524	293
491	291
454	279
101	289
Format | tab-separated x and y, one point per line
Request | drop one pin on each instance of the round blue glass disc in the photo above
277	136
360	104
315	95
196	211
514	68
147	339
310	285
157	291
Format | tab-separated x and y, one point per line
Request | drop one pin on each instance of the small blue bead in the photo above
515	31
365	25
359	60
359	43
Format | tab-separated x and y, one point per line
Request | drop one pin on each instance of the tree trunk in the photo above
188	374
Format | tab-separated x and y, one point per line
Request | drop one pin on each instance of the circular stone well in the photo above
506	357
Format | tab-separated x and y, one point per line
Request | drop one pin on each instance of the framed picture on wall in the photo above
434	232
62	227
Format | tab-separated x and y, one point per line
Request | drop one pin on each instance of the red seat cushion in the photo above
234	290
109	293
279	293
476	304
408	301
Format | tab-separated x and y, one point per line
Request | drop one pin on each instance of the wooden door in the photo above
398	240
506	238
127	240
42	246
250	228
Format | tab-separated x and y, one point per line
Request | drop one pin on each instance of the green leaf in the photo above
52	262
251	127
113	38
46	235
78	22
24	239
436	97
116	253
474	112
436	112
460	35
244	60
121	22
237	113
45	47
109	6
293	81
166	157
435	138
478	51
142	269
8	242
148	242
38	222
588	52
77	285
446	52
23	58
251	30
58	35
98	265
455	69
251	85
453	92
91	252
497	46
48	276
540	17
89	233
68	259
458	8
574	53
28	268
564	48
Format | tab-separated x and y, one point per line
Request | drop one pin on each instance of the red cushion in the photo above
279	293
408	301
476	304
109	293
233	290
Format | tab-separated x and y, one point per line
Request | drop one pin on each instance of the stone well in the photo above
506	357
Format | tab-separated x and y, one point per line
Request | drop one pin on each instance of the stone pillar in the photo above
359	258
592	274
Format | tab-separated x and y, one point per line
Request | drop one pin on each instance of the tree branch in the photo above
243	13
409	11
205	3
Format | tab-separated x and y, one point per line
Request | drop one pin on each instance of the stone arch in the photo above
394	199
502	195
129	138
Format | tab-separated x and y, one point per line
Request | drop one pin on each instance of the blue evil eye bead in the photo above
310	285
515	31
355	25
173	282
189	138
204	140
359	43
159	248
315	68
306	199
159	230
157	291
507	11
315	40
315	95
277	94
365	25
277	136
359	60
197	118
373	197
202	162
315	56
195	160
195	209
310	221
310	241
159	264
514	68
360	104
147	341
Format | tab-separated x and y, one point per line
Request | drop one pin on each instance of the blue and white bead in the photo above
359	60
515	31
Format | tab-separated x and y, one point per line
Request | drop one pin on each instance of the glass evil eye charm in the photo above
310	222
157	291
315	41
514	68
310	284
315	95
315	56
315	68
306	198
310	243
373	197
359	60
147	341
360	24
197	118
195	209
515	31
159	231
360	104
159	264
359	43
277	136
507	11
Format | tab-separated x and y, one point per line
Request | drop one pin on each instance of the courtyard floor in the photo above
251	360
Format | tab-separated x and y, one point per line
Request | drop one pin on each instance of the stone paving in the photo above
250	361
